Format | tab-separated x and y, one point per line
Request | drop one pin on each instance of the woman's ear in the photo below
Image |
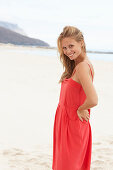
82	43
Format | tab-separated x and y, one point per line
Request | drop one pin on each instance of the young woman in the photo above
72	137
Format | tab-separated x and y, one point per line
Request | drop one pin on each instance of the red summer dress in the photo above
72	138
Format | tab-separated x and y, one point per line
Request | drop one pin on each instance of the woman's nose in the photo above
68	51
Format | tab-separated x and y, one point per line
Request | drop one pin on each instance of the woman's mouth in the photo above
71	55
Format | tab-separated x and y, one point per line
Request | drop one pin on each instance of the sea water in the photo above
54	53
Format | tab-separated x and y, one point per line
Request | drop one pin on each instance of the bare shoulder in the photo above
82	66
83	69
84	76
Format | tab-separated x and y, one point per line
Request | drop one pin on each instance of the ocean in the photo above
54	53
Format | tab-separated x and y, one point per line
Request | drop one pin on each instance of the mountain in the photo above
8	36
13	27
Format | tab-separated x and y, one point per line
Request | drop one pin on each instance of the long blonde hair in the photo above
69	31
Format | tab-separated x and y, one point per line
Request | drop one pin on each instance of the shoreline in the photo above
50	47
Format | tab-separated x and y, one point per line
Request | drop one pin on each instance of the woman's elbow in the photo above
94	101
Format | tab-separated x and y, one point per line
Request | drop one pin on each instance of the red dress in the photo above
72	138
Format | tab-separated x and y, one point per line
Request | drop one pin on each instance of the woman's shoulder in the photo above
82	64
85	66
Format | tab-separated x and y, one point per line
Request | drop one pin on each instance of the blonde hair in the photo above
73	32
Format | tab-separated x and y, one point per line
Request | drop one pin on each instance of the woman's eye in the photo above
70	46
64	48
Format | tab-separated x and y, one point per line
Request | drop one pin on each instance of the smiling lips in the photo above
71	55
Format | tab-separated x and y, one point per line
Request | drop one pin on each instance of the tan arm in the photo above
82	71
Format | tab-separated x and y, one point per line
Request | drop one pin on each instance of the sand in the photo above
29	93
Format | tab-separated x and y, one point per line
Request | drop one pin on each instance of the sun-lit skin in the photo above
73	49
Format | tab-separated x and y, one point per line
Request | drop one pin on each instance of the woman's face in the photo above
71	48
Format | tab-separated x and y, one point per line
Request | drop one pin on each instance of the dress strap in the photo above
74	72
90	70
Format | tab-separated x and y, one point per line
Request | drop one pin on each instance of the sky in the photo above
45	19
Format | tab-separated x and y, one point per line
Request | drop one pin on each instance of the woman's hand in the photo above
83	114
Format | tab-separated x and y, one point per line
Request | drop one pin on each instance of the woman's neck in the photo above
82	57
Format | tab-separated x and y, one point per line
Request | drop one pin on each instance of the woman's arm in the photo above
82	71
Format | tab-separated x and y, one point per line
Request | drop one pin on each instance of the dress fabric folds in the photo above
72	138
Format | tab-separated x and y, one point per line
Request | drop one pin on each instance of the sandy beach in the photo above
29	94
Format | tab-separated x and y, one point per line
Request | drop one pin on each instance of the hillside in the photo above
8	36
12	27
